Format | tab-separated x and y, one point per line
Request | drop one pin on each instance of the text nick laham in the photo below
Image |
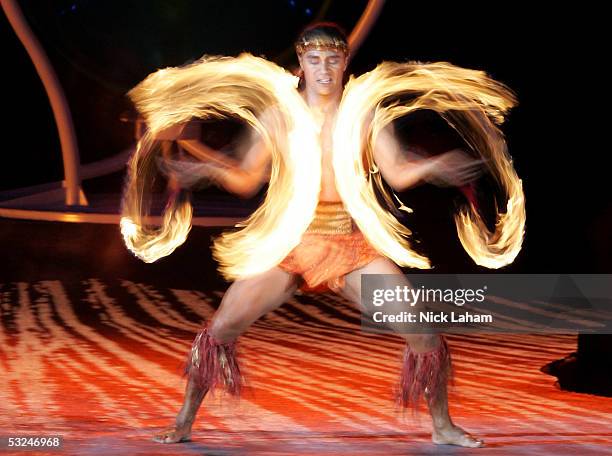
433	317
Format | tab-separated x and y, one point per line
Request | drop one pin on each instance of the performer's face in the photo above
323	70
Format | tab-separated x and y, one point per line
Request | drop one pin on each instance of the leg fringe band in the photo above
212	364
423	374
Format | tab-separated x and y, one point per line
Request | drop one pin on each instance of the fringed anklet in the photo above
423	375
212	364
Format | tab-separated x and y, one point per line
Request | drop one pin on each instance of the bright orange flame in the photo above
467	100
250	88
245	87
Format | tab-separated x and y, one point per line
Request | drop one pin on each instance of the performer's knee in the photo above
225	329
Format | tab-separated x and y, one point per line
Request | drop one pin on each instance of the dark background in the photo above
102	49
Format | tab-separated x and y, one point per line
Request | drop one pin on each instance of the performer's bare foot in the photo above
454	435
181	432
176	434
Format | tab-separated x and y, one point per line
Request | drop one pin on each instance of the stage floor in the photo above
98	362
92	341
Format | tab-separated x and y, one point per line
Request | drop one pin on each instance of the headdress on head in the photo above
322	36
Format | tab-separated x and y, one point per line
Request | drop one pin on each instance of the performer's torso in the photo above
328	183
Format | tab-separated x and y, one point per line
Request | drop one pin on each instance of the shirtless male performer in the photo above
323	56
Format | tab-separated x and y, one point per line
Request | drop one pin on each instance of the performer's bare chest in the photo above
328	184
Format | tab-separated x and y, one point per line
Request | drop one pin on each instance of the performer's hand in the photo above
454	169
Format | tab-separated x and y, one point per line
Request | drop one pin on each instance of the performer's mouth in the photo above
324	81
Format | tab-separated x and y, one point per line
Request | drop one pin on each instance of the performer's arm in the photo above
454	167
243	178
186	135
397	170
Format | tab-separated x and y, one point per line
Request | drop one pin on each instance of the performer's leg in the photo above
243	303
426	366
